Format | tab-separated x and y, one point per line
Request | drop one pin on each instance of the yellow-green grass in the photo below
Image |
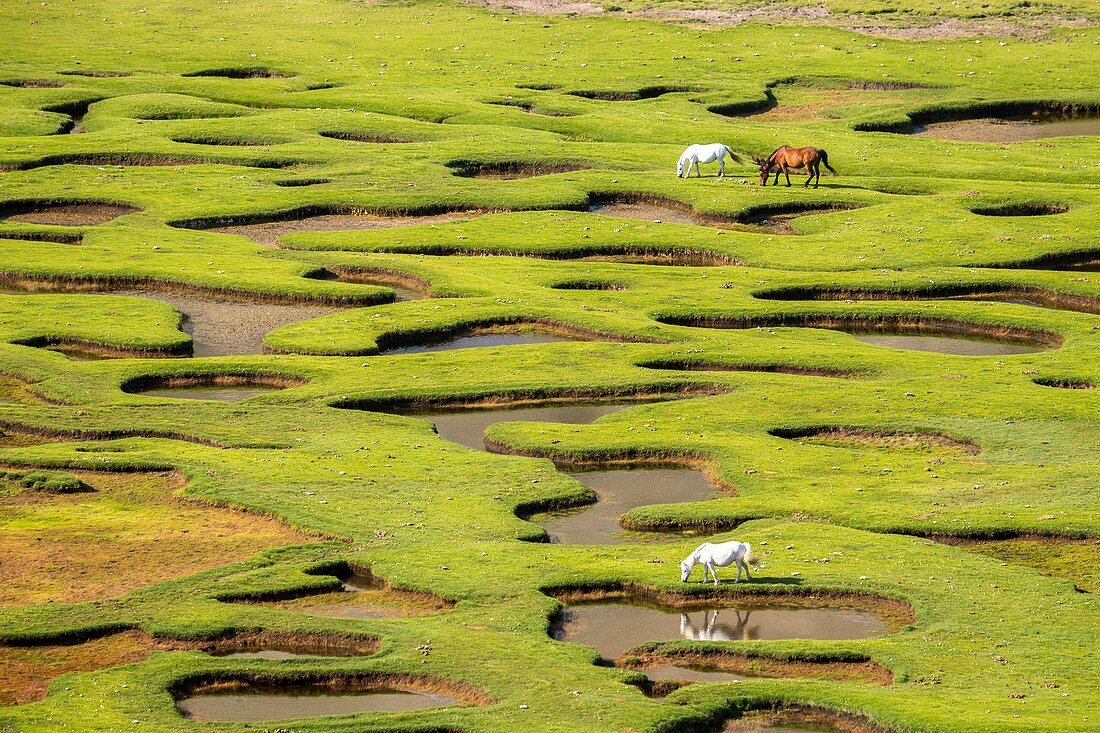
850	465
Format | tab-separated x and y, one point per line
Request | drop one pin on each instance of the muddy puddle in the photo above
219	394
947	344
467	426
228	328
619	492
1009	130
762	221
613	628
405	288
273	704
523	338
269	233
647	212
75	214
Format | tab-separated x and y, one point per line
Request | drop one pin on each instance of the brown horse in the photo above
786	158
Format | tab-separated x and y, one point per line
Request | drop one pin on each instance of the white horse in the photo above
696	154
718	556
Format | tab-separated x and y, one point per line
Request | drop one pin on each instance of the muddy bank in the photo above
939	335
485	338
226	388
669	662
255	697
224	328
996	130
872	438
72	214
510	170
953	345
269	233
756	220
405	287
993	292
357	593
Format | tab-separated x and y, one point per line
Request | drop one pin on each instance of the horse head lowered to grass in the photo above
785	158
721	555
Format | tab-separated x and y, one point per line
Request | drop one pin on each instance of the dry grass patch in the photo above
26	672
132	531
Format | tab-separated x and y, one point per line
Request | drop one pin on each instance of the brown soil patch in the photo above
710	366
133	531
800	718
510	170
824	100
759	666
405	286
322	644
180	381
891	440
905	26
1041	297
269	233
73	215
244	72
26	672
984	130
381	602
306	681
888	325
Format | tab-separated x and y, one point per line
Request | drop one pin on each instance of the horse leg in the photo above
713	572
722	166
810	170
697	173
787	173
777	172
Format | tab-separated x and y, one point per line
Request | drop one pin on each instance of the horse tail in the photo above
750	558
825	162
735	156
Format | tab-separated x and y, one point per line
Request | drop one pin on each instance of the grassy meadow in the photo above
488	160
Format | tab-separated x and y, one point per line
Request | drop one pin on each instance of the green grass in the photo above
999	631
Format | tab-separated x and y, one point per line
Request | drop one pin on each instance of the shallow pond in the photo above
485	340
262	705
948	344
269	233
612	628
468	426
998	130
619	492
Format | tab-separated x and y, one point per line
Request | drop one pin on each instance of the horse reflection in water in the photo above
711	630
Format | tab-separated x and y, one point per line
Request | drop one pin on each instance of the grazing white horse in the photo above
696	154
718	556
